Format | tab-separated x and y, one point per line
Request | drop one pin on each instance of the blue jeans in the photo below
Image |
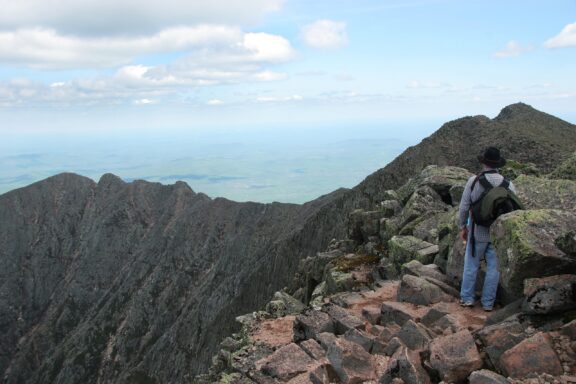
471	266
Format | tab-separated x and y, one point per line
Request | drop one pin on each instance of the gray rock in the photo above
406	366
351	362
390	208
403	249
286	362
500	337
414	336
400	313
311	324
554	294
419	291
416	268
343	320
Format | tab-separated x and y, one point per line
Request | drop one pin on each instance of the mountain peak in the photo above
518	110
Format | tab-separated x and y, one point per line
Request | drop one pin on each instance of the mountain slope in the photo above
115	281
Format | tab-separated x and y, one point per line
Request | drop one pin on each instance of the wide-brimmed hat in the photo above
491	157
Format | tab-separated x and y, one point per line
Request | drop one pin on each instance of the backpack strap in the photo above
505	183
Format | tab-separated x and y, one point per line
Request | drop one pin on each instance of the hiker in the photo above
479	245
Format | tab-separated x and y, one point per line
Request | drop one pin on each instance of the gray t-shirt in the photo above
481	233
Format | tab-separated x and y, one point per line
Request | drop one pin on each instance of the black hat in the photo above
492	158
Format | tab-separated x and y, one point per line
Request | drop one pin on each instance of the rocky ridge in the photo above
138	282
381	305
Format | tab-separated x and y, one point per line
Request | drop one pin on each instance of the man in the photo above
479	245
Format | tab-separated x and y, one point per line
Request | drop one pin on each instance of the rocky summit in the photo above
144	283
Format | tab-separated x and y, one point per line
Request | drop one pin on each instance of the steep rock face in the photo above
112	281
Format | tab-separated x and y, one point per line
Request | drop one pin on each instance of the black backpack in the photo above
493	202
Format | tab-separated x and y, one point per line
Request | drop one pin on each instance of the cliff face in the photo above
103	281
114	281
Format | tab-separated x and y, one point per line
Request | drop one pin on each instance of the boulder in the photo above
485	376
440	178
362	225
311	324
405	365
390	208
415	336
292	306
534	355
403	249
338	281
286	362
322	375
372	314
416	268
313	349
541	193
455	356
423	201
513	169
553	294
419	291
569	330
343	320
351	362
400	313
361	338
566	170
389	227
530	244
500	337
437	311
447	289
427	228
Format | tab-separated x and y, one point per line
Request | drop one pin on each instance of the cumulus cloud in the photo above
45	48
512	49
566	38
325	34
122	17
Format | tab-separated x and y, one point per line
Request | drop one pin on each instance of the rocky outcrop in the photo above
533	243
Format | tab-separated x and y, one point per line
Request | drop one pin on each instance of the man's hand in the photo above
464	234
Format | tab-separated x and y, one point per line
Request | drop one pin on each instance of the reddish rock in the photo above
405	366
372	314
361	338
351	362
309	325
399	313
485	376
455	356
286	362
532	356
313	349
448	324
437	311
326	340
343	320
324	374
499	338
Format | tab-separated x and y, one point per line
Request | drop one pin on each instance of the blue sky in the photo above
265	100
123	64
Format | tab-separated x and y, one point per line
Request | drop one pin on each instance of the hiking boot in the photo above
487	309
468	304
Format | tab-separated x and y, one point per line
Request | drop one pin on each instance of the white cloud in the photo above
122	17
566	38
325	34
145	101
278	99
512	49
215	102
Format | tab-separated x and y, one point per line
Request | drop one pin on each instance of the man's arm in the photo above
465	208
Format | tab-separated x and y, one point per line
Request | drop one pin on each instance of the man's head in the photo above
491	158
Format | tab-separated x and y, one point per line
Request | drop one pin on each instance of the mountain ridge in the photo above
102	280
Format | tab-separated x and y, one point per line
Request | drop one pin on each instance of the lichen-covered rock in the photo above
542	193
337	281
513	169
566	170
419	291
403	249
390	208
533	243
292	305
554	294
423	201
439	178
362	225
455	356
